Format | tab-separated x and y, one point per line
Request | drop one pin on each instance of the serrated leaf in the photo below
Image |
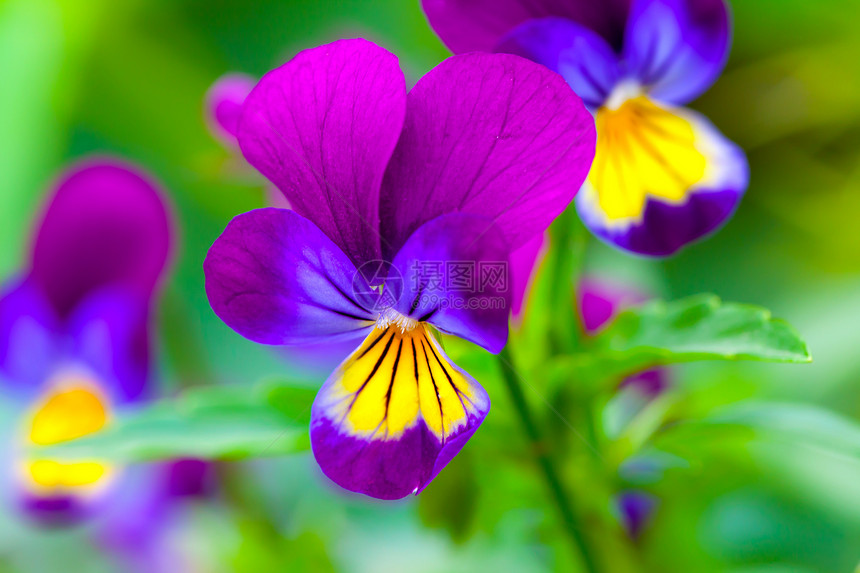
697	328
205	423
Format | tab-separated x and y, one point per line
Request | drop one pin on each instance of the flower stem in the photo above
542	456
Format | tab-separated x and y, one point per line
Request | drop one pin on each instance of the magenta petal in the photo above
224	105
322	128
599	301
581	56
106	224
456	277
492	135
477	25
275	278
677	48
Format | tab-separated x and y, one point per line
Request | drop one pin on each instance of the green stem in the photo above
541	453
568	239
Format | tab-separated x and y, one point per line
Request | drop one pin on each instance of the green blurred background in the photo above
128	77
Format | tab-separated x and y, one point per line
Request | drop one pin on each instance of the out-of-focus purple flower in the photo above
635	509
403	202
663	176
74	341
223	106
599	301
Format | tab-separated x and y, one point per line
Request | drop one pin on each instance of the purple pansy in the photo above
75	341
663	175
401	202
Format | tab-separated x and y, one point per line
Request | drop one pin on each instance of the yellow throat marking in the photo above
397	377
643	149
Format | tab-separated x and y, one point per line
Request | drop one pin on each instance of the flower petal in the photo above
29	339
477	25
322	128
599	301
663	178
677	48
110	336
105	225
224	106
492	135
455	276
583	58
394	414
275	278
636	510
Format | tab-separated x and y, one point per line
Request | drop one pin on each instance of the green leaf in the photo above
797	423
206	423
697	328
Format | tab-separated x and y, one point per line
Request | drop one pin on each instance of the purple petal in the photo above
677	48
322	128
599	302
477	25
636	509
455	276
663	182
583	58
190	478
106	224
650	383
110	337
275	278
492	135
394	414
224	106
29	339
524	264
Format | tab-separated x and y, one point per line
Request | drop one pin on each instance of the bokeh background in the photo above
128	77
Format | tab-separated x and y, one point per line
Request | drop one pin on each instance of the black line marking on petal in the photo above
370	347
393	376
450	380
435	387
372	372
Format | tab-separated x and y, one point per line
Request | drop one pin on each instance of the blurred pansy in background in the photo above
75	355
378	201
663	175
223	106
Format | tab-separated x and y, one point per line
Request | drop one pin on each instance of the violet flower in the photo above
663	176
75	349
476	160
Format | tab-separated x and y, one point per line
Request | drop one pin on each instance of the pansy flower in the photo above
663	176
401	201
75	355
